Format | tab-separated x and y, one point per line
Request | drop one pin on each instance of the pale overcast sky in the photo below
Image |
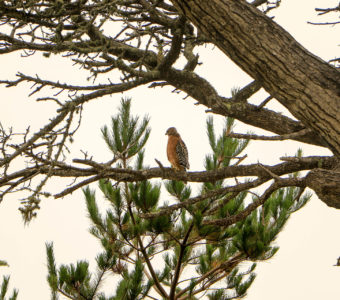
309	244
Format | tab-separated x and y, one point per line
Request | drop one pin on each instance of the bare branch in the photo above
292	136
60	117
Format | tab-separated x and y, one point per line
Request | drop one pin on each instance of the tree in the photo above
4	286
152	38
159	251
255	43
153	42
307	86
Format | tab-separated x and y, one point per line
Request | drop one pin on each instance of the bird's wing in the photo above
182	154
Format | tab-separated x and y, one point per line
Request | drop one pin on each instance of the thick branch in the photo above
168	173
306	85
268	138
202	91
104	171
326	184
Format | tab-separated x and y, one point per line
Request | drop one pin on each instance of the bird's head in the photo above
171	131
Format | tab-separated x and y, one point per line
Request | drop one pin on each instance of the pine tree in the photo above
156	251
4	286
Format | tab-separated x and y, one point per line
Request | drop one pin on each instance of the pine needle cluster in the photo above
5	284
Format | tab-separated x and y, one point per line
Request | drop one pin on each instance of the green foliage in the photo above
3	263
131	244
75	280
4	290
217	295
131	287
145	195
106	260
74	277
241	281
126	137
4	285
237	281
92	208
252	238
159	224
118	230
178	189
261	228
224	148
234	205
52	277
140	160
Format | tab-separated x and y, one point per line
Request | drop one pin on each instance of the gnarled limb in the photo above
308	87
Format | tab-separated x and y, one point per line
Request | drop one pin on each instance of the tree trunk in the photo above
307	86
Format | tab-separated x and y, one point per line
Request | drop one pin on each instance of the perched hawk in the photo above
177	151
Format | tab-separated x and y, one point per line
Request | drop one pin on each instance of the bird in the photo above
177	150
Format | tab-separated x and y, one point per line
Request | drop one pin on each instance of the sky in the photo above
309	244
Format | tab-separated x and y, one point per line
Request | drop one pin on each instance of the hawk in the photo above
177	151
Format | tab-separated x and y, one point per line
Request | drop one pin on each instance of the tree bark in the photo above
326	185
307	86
